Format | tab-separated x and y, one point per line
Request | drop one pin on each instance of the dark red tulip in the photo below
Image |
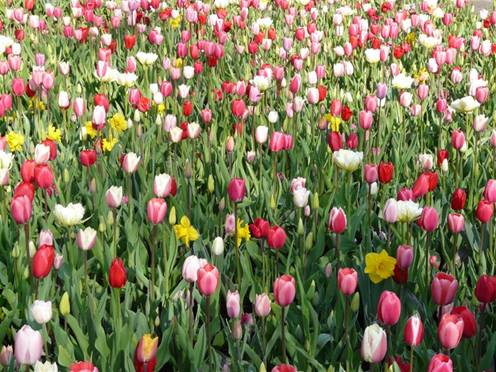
27	170
25	188
400	275
433	180
129	41
458	199
334	141
187	108
469	322
485	289
441	156
259	228
87	157
43	176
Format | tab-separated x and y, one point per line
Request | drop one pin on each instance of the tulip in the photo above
429	219
43	176
87	157
484	211
191	266
218	246
469	321
146	353
300	197
82	367
485	289
27	170
86	239
43	261
413	334
276	237
370	173
440	363
28	345
458	199
21	208
130	162
70	215
259	228
45	237
284	368
113	197
238	108
456	223
347	160
347	281
374	344
421	186
41	311
443	288
117	274
208	279
450	331
236	189
386	172
337	220
162	185
284	290
262	305
404	256
232	304
6	355
261	134
457	139
388	308
156	210
490	191
390	212
41	154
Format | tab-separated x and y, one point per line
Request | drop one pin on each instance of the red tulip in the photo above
25	189
145	354
337	220
347	281
440	363
484	211
388	308
129	41
82	367
284	368
485	289
276	237
450	331
87	157
43	176
117	274
433	180
101	100
413	334
29	4
469	321
458	199
259	228
21	208
441	156
236	189
386	172
53	148
421	186
208	279
284	290
334	141
238	108
443	288
27	170
43	261
400	275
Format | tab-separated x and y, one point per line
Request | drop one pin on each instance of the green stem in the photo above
283	336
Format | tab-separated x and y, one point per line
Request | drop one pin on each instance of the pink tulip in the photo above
99	116
365	119
236	189
443	288
490	191
370	173
429	219
388	308
191	266
457	139
21	208
337	220
262	305
413	334
404	256
18	86
347	281
456	223
450	331
440	362
208	279
156	210
28	345
284	290
78	107
232	304
277	142
374	344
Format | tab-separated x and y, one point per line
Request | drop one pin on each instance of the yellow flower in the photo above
185	232
90	131
109	143
147	347
118	122
379	266
334	121
175	22
161	108
15	141
54	134
411	37
243	232
179	63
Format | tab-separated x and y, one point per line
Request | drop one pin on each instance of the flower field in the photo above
252	185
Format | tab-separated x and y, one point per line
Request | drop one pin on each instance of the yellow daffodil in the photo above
179	63
161	108
379	266
410	38
118	122
185	232
90	131
243	232
15	141
54	134
109	143
335	123
175	22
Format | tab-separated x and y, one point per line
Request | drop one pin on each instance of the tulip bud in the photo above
389	308
413	333
374	344
28	345
284	290
218	246
65	305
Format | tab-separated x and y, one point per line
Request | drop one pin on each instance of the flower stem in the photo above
283	336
